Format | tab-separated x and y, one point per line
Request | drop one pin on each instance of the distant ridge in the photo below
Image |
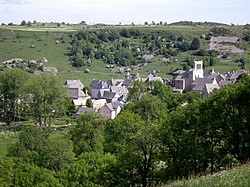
191	23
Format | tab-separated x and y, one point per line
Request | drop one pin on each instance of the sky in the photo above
125	11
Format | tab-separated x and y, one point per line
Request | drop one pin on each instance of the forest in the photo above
160	136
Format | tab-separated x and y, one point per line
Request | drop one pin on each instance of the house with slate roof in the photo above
196	80
97	89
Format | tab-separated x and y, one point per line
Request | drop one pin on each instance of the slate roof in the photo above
179	72
83	110
121	90
115	82
109	95
236	74
224	83
75	93
74	84
199	84
154	79
80	101
98	84
210	87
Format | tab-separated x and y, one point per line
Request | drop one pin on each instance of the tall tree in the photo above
47	98
13	84
195	44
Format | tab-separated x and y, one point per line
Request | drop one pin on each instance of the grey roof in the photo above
114	82
98	84
83	110
119	89
154	79
118	103
236	74
224	83
101	93
179	72
75	93
127	82
109	106
109	95
74	84
199	83
211	87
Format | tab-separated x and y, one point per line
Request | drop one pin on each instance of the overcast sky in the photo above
125	11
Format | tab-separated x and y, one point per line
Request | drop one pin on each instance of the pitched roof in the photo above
199	84
83	110
224	83
154	79
115	82
110	95
74	84
179	72
98	84
80	101
75	93
119	89
210	87
236	74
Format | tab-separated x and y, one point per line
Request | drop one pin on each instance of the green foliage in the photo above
87	136
47	98
16	172
34	146
246	36
13	85
23	23
238	176
195	44
89	103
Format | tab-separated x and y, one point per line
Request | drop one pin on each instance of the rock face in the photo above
32	66
45	60
52	70
225	43
13	61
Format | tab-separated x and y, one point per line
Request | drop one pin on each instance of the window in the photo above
198	66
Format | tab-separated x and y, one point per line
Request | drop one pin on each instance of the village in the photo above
110	97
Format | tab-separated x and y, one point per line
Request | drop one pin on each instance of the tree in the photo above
23	23
34	146
47	98
87	136
13	84
16	172
29	24
195	44
89	103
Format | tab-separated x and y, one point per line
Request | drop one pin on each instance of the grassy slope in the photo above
6	139
16	41
236	177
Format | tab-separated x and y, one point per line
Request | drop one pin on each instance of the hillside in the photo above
239	176
121	46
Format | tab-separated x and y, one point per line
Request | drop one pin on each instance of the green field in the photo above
36	42
236	177
7	138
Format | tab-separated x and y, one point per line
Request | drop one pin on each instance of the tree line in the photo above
31	97
126	46
158	137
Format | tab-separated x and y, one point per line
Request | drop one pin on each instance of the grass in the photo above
236	177
16	42
7	138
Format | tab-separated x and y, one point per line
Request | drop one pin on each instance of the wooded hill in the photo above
150	47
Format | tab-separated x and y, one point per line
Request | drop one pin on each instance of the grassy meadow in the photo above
236	177
52	42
